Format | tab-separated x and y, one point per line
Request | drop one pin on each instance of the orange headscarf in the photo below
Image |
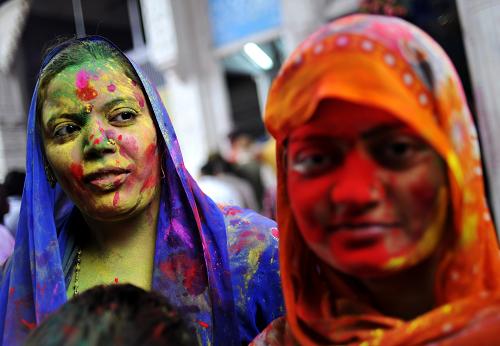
387	63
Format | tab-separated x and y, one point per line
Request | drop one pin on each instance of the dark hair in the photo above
75	52
14	182
114	315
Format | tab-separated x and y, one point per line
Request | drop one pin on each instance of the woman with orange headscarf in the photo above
385	233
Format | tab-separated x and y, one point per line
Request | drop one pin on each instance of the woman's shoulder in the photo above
248	224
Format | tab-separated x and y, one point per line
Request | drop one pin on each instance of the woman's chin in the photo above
109	209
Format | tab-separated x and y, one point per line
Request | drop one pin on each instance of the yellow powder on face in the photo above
396	262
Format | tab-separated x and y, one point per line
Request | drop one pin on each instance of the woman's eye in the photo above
123	117
312	163
65	130
398	153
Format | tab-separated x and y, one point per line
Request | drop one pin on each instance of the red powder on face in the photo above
120	137
116	280
116	198
96	141
76	171
83	90
139	99
86	94
111	87
150	157
203	324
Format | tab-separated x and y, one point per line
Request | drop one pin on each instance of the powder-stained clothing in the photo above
6	244
389	64
217	265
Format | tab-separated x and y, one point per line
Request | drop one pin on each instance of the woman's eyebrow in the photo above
80	118
382	130
110	104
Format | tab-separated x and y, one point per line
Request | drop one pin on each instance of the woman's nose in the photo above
98	141
357	186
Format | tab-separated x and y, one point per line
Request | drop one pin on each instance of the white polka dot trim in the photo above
318	49
407	78
423	99
367	45
342	41
389	59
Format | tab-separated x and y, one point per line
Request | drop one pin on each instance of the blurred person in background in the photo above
244	159
6	239
385	233
14	183
107	198
220	182
119	315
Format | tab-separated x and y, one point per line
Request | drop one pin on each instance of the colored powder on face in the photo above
97	141
83	90
76	171
116	198
111	87
120	137
82	79
91	137
86	94
139	99
116	280
151	156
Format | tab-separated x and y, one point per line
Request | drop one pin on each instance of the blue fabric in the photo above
218	265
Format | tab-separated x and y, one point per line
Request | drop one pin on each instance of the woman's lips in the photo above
361	235
106	180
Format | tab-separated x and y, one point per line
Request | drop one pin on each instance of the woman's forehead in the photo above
341	118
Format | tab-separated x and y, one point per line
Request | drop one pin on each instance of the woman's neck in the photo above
120	251
106	237
405	295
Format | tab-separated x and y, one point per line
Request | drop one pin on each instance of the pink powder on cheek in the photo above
120	137
139	99
111	87
151	156
129	146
